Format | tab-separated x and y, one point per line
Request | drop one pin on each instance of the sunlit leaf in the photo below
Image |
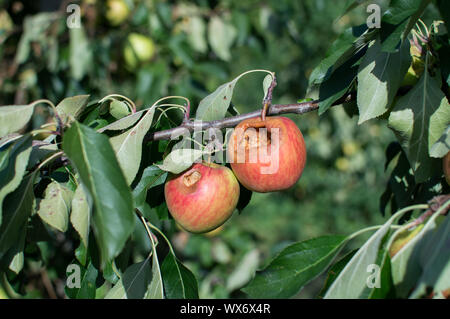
128	145
419	119
55	207
80	216
379	77
180	159
14	117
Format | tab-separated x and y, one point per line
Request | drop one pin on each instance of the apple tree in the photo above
99	171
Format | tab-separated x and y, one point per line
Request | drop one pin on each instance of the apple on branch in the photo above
203	197
267	155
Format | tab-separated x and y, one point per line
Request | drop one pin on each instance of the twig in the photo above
275	109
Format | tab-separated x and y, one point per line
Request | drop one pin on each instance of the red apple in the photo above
267	155
203	197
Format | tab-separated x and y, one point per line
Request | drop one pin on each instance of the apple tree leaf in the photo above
128	145
419	119
379	77
14	117
179	281
14	158
80	216
180	159
100	173
55	207
71	108
294	267
17	209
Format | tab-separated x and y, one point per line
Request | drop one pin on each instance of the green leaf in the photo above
398	20
151	177
335	270
34	30
123	123
418	120
87	284
244	271
338	84
80	53
71	108
180	159
379	77
136	279
196	34
16	264
128	145
215	106
266	83
349	43
386	289
351	282
435	261
179	282
294	267
17	209
117	292
14	117
221	35
155	289
442	146
14	158
100	173
405	263
119	109
55	207
80	217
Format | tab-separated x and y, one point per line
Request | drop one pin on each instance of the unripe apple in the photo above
267	155
203	197
117	12
446	167
138	49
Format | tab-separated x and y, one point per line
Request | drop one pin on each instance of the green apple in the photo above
138	49
117	12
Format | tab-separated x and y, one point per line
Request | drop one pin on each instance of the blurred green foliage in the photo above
199	45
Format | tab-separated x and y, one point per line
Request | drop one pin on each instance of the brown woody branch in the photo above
275	109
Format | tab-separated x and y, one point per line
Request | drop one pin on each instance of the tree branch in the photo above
275	109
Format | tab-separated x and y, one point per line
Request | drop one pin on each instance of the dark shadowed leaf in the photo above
17	209
136	279
418	120
14	158
179	282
